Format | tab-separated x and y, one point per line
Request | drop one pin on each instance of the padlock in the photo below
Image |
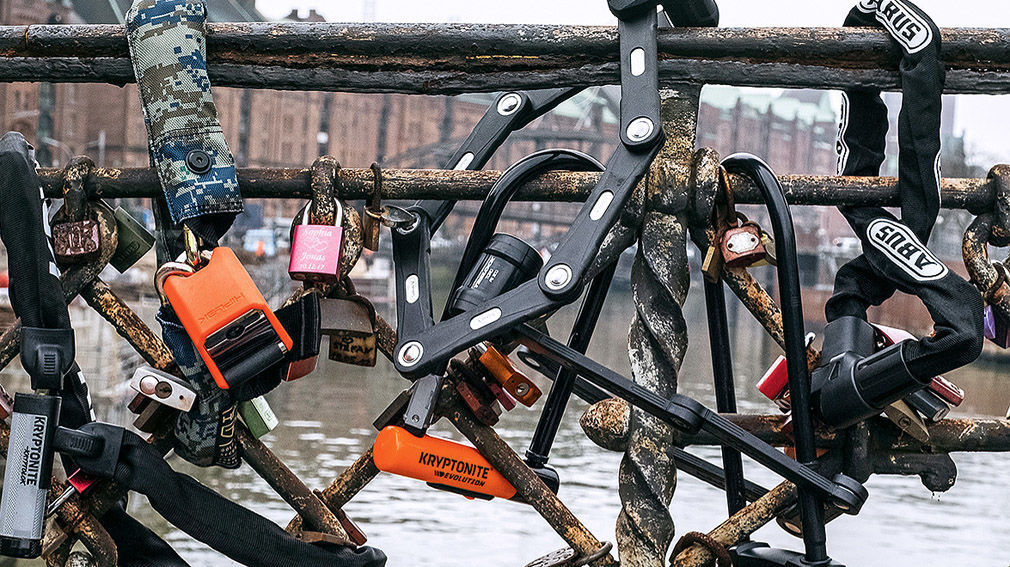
503	397
163	388
354	533
257	416
524	390
442	463
741	245
76	242
775	384
482	410
907	420
79	483
350	323
393	414
300	368
769	244
226	317
504	264
711	267
316	249
371	220
76	236
134	241
153	417
928	404
995	330
947	390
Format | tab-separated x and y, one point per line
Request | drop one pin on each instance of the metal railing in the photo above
675	200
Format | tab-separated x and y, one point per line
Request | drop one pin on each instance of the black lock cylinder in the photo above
505	263
857	383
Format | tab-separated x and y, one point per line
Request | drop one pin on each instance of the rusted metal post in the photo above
128	325
658	338
344	487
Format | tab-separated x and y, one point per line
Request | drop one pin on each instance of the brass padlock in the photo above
350	323
711	268
742	246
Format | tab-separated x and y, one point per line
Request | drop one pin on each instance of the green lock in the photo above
134	241
258	416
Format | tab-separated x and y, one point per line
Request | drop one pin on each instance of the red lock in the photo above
316	249
775	384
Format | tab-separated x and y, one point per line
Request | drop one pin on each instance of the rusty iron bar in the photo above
129	325
741	525
97	541
976	195
288	485
946	436
344	487
456	58
529	487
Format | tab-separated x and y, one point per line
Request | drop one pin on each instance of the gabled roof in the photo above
112	11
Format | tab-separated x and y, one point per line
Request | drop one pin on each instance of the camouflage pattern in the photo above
204	436
167	44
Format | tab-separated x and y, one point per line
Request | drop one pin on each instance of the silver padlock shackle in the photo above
338	217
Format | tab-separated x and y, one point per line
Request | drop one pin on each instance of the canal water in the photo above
326	421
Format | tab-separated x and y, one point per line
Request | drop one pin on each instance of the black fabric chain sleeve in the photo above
230	529
35	290
137	545
894	254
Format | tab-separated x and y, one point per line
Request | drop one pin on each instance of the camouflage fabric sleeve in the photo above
187	144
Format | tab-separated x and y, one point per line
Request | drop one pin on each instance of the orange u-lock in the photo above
219	295
439	462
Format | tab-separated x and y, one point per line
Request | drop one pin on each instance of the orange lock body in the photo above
514	382
215	296
438	461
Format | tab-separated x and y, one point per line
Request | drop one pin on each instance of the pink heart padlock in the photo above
316	250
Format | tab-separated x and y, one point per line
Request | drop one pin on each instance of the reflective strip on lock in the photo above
316	249
225	315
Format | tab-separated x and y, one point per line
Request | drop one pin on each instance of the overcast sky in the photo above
980	117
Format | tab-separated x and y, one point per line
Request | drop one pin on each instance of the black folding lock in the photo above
506	262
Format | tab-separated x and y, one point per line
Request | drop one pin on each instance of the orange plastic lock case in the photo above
215	296
438	461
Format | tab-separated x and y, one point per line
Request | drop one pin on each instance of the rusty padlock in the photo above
349	321
742	245
371	220
76	236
